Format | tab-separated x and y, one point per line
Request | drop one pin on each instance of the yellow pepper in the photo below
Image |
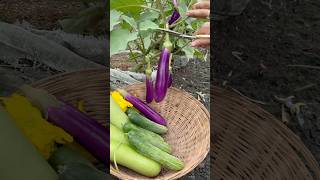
124	104
40	132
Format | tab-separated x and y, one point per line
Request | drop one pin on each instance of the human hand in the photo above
202	42
200	10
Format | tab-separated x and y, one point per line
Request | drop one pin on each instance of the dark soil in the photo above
253	53
42	14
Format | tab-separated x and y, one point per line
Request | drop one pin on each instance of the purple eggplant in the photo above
174	17
149	89
86	131
162	75
84	134
143	108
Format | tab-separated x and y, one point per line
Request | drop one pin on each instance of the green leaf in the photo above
199	55
146	25
119	40
114	18
147	41
183	8
130	21
127	6
189	52
149	15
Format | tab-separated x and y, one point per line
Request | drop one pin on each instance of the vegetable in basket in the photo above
42	134
117	117
143	107
117	135
145	123
86	131
19	158
126	156
147	149
120	101
154	140
72	166
121	153
129	126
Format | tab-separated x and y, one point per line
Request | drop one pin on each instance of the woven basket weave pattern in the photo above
251	144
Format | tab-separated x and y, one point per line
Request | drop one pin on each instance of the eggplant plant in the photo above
149	31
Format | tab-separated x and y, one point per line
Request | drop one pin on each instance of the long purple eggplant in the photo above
86	131
143	108
75	125
162	75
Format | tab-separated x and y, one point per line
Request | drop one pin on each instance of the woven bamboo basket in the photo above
188	120
250	143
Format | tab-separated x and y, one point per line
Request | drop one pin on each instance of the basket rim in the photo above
69	73
202	156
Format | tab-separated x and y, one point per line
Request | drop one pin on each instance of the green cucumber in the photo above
153	152
145	123
129	126
149	136
78	171
164	146
72	166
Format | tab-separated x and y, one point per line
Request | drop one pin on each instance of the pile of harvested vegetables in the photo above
45	138
136	140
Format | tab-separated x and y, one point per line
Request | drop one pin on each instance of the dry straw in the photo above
250	143
188	119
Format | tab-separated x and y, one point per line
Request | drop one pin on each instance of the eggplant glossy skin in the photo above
146	110
162	75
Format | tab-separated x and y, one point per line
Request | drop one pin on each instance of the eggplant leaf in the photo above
189	52
199	55
130	21
119	39
132	7
146	25
149	15
114	18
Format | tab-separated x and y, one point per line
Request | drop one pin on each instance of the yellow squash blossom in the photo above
120	101
42	134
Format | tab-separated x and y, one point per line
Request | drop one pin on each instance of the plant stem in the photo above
142	43
134	57
162	13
